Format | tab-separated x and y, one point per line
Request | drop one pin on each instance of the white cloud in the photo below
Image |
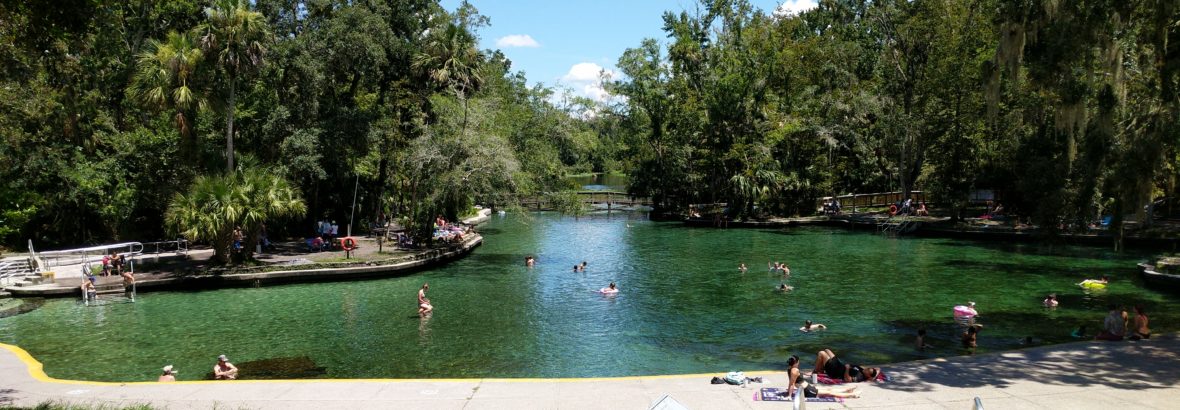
584	79
794	7
517	40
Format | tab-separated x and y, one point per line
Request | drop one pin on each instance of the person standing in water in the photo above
424	305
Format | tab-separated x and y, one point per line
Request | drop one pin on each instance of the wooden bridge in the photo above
594	199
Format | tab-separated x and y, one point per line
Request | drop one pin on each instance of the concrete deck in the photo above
1083	375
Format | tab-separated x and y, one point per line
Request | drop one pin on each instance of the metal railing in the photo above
11	269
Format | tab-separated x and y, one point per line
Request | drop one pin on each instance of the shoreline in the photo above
416	262
1053	376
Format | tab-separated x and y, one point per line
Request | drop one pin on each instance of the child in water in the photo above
920	343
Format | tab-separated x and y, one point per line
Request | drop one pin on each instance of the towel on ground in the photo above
777	394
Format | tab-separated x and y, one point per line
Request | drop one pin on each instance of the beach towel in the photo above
777	394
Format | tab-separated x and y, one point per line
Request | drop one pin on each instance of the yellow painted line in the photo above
37	371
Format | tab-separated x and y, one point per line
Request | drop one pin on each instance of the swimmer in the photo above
609	289
1050	301
742	267
970	338
1079	333
582	267
808	326
530	261
424	305
786	270
783	287
920	343
1095	282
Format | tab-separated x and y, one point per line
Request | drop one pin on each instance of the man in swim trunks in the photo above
424	305
224	370
833	367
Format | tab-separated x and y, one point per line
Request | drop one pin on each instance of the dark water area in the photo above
683	306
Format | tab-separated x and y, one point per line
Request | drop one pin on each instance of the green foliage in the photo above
214	206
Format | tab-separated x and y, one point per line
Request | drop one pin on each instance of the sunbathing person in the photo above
830	365
795	382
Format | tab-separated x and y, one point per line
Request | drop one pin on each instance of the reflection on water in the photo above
683	306
601	182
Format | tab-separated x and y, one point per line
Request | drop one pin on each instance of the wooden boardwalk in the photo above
598	199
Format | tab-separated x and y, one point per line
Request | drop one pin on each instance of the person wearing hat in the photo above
169	374
224	370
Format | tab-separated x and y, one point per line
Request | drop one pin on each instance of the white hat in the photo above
168	369
222	358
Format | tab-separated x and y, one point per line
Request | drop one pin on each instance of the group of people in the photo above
831	207
909	207
833	368
1114	326
580	267
112	264
447	231
223	370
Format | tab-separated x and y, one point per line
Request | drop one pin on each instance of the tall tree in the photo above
235	39
167	79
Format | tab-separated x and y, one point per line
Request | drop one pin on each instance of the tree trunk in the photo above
229	128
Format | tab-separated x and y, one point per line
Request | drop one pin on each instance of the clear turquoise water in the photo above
683	308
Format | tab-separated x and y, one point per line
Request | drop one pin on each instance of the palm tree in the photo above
234	37
215	205
166	80
452	61
266	196
207	212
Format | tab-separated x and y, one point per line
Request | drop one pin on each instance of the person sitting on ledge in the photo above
169	374
796	383
1139	328
224	370
1114	327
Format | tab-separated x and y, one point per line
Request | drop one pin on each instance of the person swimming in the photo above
783	287
808	326
742	267
1050	301
1095	283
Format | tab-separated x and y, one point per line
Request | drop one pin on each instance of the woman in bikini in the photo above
795	381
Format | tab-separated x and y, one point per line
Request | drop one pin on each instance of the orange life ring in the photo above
892	209
348	243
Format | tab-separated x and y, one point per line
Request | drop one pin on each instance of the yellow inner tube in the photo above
1093	285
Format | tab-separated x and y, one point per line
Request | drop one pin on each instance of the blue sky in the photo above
566	43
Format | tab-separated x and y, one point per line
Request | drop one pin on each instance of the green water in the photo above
683	308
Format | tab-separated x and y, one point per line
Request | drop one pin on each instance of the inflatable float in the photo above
965	312
1092	284
608	291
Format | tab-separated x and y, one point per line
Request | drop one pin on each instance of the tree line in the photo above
1066	108
143	119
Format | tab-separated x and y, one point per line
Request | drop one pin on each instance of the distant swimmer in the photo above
1050	301
783	287
742	267
808	326
610	289
530	261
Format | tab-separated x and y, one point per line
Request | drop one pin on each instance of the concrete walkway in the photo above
1083	375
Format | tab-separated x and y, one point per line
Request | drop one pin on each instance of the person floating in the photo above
609	289
424	305
169	374
742	267
224	370
966	313
530	261
808	326
783	287
1050	301
1099	283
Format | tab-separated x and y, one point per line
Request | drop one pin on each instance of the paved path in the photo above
1083	375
